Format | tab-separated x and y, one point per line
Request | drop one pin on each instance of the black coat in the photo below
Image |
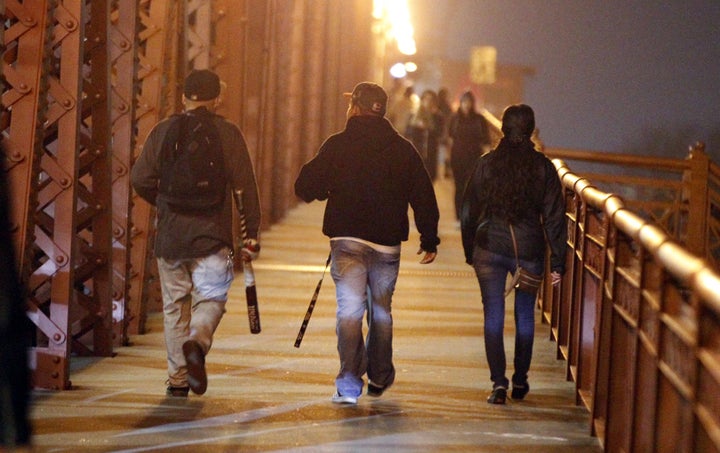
369	175
547	220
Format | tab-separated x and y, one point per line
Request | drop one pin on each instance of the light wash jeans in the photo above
365	282
194	294
492	271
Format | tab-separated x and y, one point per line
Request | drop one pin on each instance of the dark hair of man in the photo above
512	181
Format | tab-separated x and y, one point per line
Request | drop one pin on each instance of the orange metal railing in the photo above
637	317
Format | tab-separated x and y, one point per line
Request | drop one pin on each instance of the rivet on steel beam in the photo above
56	360
124	45
64	182
98	207
123	107
55	375
57	337
118	232
67	103
60	259
98	151
16	156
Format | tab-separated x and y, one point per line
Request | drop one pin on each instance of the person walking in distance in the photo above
190	165
469	135
369	175
512	203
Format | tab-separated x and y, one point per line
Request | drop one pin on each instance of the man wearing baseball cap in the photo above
194	248
369	175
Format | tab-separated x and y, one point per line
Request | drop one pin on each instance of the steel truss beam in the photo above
60	85
122	49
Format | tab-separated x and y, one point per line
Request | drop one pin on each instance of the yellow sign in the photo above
482	64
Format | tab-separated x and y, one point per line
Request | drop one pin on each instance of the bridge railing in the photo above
637	317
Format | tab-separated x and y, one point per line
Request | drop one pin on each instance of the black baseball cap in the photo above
202	85
370	97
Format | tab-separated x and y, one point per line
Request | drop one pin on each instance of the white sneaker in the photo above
337	398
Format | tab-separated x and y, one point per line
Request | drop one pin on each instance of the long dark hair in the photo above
469	96
511	184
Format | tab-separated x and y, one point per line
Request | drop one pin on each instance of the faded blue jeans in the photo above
365	282
194	293
492	271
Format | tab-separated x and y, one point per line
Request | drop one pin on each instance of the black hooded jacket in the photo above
546	220
369	175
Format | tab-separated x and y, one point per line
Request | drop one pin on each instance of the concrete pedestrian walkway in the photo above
266	395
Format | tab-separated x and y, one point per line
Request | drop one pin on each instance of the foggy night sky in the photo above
607	73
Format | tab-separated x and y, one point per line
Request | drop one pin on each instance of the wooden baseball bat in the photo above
249	273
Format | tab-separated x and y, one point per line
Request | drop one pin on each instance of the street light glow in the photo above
397	14
398	70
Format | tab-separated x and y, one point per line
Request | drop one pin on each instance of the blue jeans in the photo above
365	282
492	272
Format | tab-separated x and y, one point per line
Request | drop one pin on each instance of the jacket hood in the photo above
374	132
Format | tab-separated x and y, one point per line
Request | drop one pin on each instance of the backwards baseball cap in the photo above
370	97
202	85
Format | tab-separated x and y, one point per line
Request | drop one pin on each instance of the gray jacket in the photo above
182	236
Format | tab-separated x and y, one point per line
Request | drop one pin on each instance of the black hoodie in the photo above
370	174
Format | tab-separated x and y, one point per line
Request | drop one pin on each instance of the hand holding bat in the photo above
248	252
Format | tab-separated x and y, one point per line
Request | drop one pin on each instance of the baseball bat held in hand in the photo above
250	291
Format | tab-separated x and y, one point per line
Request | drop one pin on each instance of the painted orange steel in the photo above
156	59
122	49
636	318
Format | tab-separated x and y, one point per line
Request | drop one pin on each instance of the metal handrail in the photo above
690	269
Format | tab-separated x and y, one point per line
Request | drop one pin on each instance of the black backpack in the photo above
192	167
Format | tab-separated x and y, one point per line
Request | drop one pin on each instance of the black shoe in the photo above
519	391
195	360
498	396
180	392
375	390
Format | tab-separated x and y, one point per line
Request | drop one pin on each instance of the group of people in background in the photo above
445	137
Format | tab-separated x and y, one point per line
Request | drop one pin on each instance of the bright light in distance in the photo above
397	14
398	70
410	66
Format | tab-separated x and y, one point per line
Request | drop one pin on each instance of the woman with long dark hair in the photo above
468	132
514	191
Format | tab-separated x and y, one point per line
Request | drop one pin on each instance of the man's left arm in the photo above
144	175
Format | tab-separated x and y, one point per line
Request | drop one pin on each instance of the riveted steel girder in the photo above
122	49
59	140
